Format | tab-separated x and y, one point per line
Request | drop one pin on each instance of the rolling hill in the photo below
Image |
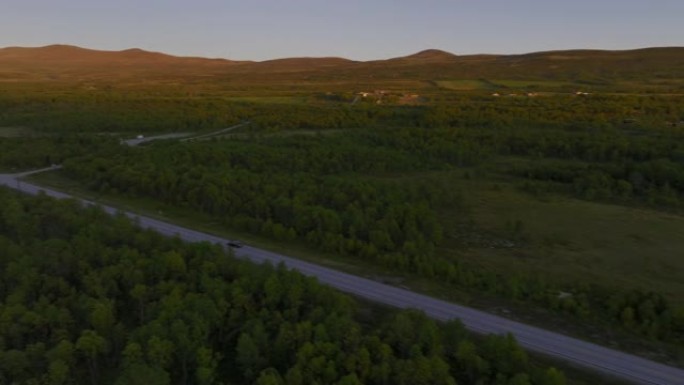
66	63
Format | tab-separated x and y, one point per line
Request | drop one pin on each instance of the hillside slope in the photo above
68	62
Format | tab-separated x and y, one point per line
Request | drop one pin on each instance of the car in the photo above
235	244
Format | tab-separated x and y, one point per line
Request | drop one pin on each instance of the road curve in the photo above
628	367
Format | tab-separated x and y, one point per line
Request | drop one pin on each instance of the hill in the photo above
65	62
72	55
591	67
429	55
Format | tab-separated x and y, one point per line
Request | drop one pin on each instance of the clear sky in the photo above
360	30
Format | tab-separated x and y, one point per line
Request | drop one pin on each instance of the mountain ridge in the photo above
426	54
65	52
60	61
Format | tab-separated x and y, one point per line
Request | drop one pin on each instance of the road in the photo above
628	367
217	133
140	140
182	136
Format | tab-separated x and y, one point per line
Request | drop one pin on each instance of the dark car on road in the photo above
235	244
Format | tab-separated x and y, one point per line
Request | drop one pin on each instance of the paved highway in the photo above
618	364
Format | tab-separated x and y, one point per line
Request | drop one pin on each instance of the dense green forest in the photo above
349	194
120	111
26	153
387	183
89	298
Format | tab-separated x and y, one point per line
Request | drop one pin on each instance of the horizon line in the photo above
334	56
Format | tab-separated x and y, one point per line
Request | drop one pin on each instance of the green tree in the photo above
92	345
58	373
141	374
159	352
248	356
269	376
552	376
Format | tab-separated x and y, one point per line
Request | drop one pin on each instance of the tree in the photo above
552	376
92	345
102	318
15	365
141	374
520	379
63	351
248	356
61	359
350	379
207	364
269	376
132	354
627	317
58	373
472	365
140	293
159	352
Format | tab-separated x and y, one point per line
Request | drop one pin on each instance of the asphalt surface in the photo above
137	141
628	367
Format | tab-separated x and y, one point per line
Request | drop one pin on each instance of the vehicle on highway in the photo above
235	244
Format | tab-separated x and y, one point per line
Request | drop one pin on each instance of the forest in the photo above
24	153
348	194
118	111
90	298
387	184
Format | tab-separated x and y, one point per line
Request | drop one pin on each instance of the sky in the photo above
355	29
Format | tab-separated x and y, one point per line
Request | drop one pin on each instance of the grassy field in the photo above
560	238
570	241
532	84
273	99
492	85
464	85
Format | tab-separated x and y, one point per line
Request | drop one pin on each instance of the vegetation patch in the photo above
538	85
464	85
569	205
15	132
120	305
